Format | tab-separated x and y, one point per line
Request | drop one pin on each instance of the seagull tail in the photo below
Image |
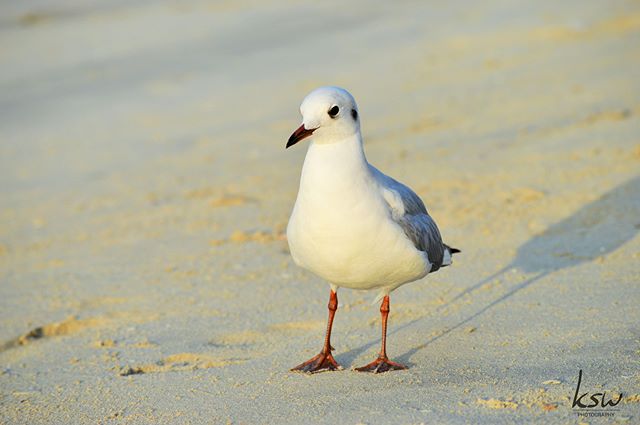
453	250
448	252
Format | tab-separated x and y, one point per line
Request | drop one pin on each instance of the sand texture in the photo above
145	191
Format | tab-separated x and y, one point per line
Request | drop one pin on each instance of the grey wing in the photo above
410	213
424	234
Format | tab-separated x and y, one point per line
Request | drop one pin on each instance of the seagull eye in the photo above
334	111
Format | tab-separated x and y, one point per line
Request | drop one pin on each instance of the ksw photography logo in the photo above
590	404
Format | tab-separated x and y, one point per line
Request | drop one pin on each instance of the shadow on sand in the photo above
596	229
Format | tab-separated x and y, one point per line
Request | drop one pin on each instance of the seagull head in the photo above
330	114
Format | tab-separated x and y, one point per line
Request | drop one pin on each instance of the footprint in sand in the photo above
179	363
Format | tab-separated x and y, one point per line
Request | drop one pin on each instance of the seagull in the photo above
352	225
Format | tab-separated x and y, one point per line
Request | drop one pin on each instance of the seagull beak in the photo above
299	134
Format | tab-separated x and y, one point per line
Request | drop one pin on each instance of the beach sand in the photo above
145	190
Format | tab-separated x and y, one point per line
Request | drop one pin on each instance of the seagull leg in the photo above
382	363
324	360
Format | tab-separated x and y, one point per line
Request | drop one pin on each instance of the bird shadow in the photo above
596	229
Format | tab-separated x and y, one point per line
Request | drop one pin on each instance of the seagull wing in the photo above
410	213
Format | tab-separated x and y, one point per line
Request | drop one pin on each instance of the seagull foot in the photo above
320	363
381	364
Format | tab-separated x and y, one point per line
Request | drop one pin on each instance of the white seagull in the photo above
351	224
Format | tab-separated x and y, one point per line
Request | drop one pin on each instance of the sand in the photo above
145	189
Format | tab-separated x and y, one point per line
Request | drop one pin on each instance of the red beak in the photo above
299	134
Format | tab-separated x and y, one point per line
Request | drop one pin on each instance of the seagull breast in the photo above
342	228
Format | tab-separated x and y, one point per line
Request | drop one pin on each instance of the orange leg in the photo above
382	363
324	360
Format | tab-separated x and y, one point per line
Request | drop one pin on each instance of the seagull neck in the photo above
345	156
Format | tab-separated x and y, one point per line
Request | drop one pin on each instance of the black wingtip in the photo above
453	250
